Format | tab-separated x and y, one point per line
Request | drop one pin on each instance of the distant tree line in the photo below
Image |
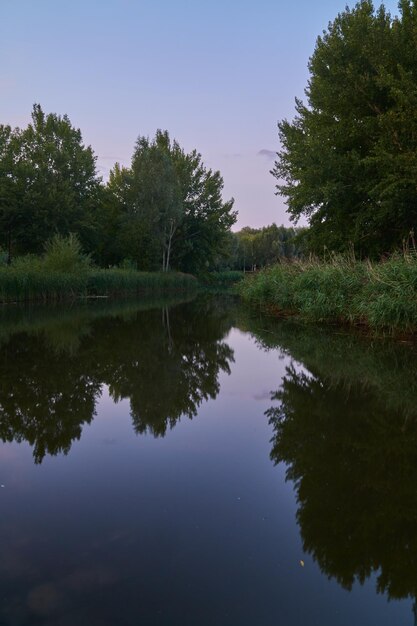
348	159
253	248
164	211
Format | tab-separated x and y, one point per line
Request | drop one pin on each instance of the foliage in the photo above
30	279
253	248
349	159
64	254
379	295
48	184
166	209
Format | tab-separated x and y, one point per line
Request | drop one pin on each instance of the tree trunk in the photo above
169	245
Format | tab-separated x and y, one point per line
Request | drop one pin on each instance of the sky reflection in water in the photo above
117	508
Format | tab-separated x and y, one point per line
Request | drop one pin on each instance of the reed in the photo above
30	280
379	295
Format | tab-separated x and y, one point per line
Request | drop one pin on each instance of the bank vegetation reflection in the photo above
164	361
344	420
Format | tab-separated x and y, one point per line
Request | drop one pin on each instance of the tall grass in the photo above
26	282
64	272
379	295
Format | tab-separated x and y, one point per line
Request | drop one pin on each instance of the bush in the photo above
64	254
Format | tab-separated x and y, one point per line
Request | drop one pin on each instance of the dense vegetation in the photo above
252	248
349	158
63	272
348	164
164	211
378	295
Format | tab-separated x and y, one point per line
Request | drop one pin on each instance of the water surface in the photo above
198	464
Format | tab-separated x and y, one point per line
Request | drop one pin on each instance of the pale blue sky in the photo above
217	74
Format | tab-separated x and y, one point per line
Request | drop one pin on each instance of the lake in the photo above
196	463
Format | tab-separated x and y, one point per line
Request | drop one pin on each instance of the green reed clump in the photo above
380	295
119	281
32	278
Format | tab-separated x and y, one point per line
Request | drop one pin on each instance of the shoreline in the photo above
374	297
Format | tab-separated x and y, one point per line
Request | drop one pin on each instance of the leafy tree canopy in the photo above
167	208
48	183
348	160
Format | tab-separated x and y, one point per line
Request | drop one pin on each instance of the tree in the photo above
252	248
203	234
8	214
167	208
349	160
48	184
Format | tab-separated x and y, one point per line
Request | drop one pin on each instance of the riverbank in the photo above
220	281
380	296
26	283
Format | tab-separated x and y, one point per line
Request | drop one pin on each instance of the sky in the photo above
217	74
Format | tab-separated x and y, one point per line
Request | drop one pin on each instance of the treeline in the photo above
164	211
250	249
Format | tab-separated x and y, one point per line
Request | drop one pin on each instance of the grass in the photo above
31	281
64	272
380	295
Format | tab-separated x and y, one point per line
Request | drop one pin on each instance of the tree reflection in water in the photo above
345	424
166	362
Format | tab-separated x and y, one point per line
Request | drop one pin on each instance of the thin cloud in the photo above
269	154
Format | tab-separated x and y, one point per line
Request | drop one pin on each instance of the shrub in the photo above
64	254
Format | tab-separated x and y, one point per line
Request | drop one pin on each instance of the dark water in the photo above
199	465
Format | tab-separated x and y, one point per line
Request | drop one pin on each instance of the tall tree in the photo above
168	207
9	193
349	158
207	221
48	183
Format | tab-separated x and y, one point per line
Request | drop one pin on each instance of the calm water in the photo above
198	465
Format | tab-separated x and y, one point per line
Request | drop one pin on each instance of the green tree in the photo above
203	234
11	188
257	247
167	208
348	160
48	184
